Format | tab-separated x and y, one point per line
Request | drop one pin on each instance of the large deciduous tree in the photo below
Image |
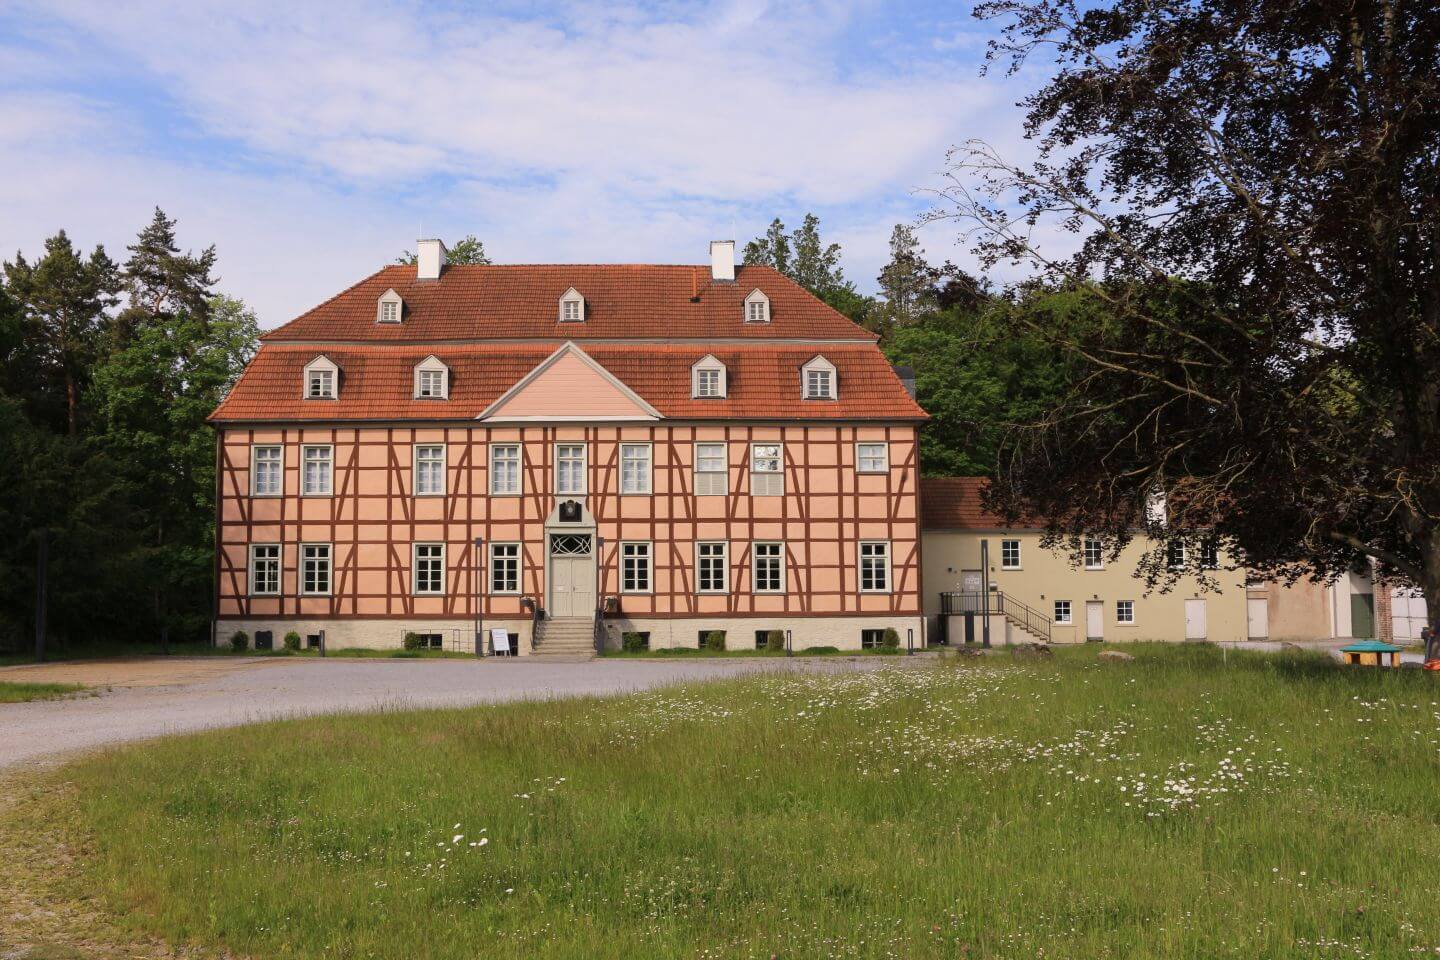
1255	190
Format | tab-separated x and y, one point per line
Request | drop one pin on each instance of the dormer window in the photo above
321	375
707	379
757	307
817	380
432	379
572	307
389	308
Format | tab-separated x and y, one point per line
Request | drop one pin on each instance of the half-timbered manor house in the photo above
565	452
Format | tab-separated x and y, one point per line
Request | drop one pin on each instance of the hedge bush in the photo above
714	640
775	641
411	640
632	641
292	641
239	640
891	639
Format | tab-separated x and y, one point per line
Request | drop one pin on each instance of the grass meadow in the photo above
1181	805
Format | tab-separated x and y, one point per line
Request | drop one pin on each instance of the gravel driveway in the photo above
47	730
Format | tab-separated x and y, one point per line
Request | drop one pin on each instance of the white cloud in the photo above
597	133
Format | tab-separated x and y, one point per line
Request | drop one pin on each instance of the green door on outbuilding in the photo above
1362	615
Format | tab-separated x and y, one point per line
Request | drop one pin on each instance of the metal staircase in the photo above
1028	620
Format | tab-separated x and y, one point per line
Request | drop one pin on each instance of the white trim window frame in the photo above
429	469
1094	553
712	468
635	468
571	462
1125	613
320	383
1064	614
316	569
712	567
265	569
872	457
1175	555
505	561
708	383
430	383
267	470
1009	554
1209	555
767	466
819	384
874	566
317	469
572	306
427	560
767	567
506	461
757	307
636	568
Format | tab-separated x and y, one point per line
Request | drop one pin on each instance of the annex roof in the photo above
953	503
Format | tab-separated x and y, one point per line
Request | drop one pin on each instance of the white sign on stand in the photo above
500	642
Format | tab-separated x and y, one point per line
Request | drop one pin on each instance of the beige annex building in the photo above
1043	594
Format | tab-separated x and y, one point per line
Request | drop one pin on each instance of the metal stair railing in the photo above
997	602
1024	617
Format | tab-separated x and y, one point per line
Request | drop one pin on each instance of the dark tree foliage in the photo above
1256	187
807	259
103	440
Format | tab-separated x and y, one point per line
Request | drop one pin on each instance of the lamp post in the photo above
909	641
479	597
985	593
788	648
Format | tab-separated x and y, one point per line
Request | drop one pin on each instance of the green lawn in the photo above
1176	806
21	692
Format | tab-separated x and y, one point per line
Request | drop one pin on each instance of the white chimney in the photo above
722	260
429	259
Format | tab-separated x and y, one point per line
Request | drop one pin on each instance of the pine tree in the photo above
63	299
816	266
161	283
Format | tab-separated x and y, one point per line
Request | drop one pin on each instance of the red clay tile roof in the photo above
487	302
953	503
376	381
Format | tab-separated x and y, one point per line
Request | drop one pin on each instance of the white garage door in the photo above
1407	613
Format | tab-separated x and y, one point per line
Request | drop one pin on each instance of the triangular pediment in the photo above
569	385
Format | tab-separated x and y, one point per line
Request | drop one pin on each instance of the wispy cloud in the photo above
578	132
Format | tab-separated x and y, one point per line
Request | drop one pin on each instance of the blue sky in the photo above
312	143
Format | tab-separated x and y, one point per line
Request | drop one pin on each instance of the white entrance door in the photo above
572	575
1195	620
1094	620
1257	610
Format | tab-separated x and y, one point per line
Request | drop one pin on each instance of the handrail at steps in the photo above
956	602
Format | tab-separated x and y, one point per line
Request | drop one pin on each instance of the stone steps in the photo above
571	637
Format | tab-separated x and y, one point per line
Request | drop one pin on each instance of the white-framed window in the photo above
712	567
429	469
1210	555
1009	554
1125	611
267	470
757	307
569	469
317	462
388	307
1175	555
315	569
504	468
1062	611
817	380
430	383
504	568
635	567
572	307
709	382
767	567
264	569
634	468
767	479
320	376
712	470
872	457
429	568
1094	554
874	566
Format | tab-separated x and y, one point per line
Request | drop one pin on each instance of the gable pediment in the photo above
570	385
